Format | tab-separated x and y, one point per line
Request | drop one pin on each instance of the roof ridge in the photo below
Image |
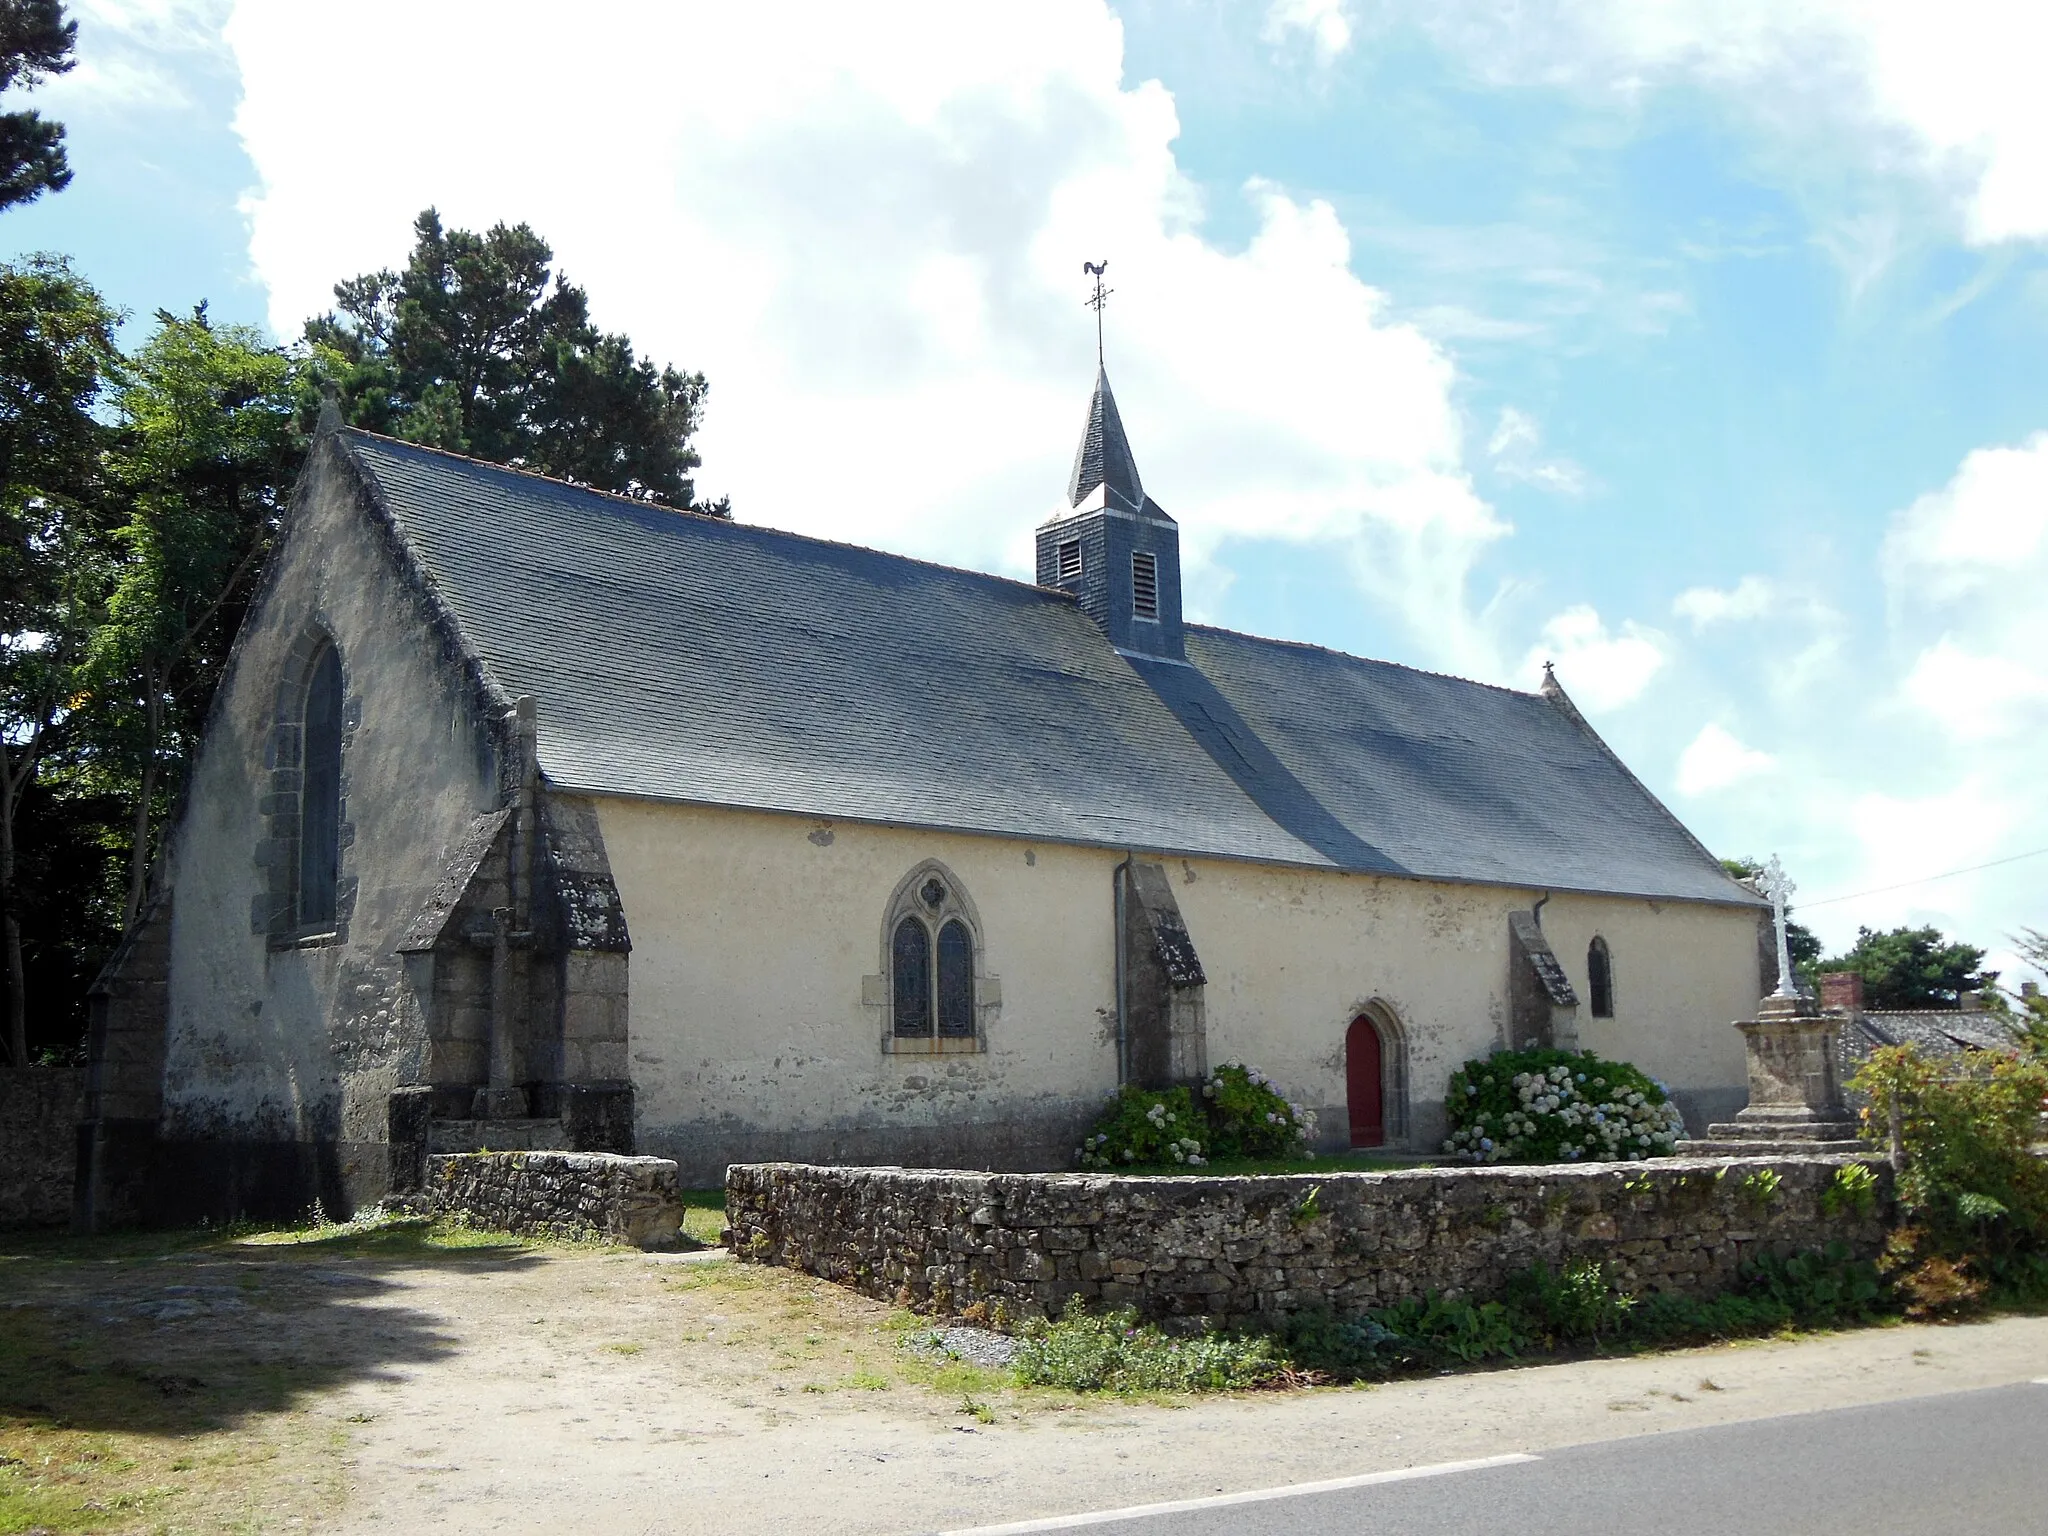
1377	661
720	522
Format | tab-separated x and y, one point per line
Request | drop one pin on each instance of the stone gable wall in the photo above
39	1113
632	1200
1244	1247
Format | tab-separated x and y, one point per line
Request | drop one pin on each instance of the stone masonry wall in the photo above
1241	1247
39	1113
632	1200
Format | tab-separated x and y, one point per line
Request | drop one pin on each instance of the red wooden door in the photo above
1364	1084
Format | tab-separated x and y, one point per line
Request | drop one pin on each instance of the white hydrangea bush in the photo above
1545	1106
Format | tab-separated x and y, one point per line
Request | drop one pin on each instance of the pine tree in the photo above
35	41
479	347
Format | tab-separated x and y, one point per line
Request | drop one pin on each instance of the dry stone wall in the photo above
40	1108
1021	1245
632	1200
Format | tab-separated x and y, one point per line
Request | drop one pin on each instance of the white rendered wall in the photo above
752	934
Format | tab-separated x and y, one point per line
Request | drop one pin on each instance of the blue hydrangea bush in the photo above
1240	1114
1546	1106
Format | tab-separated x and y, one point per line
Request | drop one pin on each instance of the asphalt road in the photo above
1965	1462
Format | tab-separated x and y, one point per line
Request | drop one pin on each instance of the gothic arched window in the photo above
931	962
910	977
1600	978
320	793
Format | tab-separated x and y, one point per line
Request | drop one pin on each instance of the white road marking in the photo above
1257	1496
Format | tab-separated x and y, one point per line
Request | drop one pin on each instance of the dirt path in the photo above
618	1393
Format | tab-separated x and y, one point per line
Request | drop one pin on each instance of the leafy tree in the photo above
206	446
1912	968
35	41
57	354
476	346
1800	939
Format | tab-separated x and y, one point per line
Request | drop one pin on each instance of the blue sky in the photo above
1696	348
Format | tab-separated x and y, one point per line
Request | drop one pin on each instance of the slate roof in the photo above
1940	1031
1104	456
678	657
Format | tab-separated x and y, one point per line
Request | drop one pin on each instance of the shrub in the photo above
1241	1114
1581	1301
1145	1126
1249	1117
1546	1106
1541	1308
1974	1196
1113	1352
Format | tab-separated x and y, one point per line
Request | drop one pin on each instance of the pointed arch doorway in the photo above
1365	1082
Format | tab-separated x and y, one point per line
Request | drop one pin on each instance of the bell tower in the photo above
1113	546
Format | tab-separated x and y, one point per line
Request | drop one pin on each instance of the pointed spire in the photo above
1104	457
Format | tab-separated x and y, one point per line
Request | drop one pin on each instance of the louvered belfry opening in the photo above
1145	585
1112	546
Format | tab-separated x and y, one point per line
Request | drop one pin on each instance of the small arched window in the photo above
320	793
932	959
1600	978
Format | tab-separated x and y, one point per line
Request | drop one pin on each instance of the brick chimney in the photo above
1841	992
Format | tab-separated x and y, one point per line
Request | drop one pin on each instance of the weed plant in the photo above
1540	1311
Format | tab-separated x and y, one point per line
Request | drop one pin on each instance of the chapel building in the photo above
528	815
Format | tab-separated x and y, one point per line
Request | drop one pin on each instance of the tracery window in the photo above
1600	978
931	960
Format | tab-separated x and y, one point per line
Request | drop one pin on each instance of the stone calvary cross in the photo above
1778	888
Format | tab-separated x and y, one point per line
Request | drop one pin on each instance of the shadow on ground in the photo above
177	1334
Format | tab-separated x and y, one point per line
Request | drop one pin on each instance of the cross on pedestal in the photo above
1777	887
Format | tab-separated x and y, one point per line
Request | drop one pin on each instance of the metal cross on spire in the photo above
1097	299
1773	884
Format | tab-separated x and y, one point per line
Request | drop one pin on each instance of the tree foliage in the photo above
206	447
478	347
57	353
1974	1195
36	41
1912	968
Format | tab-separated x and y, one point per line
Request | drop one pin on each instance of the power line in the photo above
1970	869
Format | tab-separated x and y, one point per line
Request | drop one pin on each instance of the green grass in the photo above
703	1215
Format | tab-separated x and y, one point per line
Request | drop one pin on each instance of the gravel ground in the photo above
975	1346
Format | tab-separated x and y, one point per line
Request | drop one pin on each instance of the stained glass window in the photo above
910	962
956	979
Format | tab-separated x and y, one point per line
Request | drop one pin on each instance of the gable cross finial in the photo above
1097	299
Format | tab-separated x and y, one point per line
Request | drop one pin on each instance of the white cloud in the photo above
1948	94
1965	568
1516	451
1599	669
1324	23
1750	598
133	54
870	238
1923	753
1715	759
